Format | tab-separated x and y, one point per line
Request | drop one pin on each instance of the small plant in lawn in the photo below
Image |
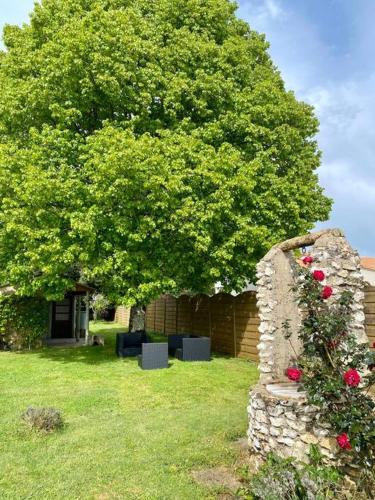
43	419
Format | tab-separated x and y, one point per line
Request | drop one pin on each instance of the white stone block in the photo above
290	415
277	421
319	432
261	416
286	440
290	433
276	411
297	425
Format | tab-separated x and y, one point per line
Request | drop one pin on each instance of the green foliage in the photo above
23	321
99	303
287	479
148	146
330	349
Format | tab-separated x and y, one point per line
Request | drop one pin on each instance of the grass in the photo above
129	434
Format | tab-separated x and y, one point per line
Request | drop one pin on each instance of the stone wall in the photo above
279	418
342	266
286	425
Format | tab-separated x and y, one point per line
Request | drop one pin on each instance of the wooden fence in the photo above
231	322
122	315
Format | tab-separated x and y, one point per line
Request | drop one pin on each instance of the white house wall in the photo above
369	276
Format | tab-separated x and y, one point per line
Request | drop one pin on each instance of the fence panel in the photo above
150	317
247	322
122	315
184	314
222	323
160	315
170	315
201	315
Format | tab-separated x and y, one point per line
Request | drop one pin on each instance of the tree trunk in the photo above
137	318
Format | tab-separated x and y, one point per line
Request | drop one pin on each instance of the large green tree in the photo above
149	146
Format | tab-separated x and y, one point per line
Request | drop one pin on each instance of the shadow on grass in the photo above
98	355
92	355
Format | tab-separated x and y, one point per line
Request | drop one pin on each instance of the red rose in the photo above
318	275
293	374
343	441
373	345
327	292
352	378
308	260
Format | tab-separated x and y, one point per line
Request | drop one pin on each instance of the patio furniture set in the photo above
154	355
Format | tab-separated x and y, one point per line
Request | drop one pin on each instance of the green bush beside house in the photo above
24	321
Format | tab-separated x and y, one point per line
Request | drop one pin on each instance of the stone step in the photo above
289	391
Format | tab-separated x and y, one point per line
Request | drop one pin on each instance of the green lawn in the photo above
129	433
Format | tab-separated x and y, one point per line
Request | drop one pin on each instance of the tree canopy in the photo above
149	146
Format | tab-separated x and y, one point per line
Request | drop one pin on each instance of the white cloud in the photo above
333	71
273	8
342	182
261	12
347	114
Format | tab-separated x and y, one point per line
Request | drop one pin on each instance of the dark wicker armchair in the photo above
153	356
195	349
130	344
175	341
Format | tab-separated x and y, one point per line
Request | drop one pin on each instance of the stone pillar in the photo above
276	274
279	418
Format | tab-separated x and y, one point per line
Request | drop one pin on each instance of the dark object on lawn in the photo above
97	340
43	419
175	341
154	355
108	314
4	346
195	349
130	344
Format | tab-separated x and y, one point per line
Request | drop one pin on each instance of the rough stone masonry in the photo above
279	418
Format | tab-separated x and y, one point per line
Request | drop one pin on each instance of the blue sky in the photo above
324	50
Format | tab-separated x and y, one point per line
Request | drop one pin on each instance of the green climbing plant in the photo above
334	369
23	321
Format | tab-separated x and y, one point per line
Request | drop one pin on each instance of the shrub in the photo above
287	479
43	419
99	303
336	371
23	321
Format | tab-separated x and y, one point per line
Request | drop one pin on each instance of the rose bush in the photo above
333	368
